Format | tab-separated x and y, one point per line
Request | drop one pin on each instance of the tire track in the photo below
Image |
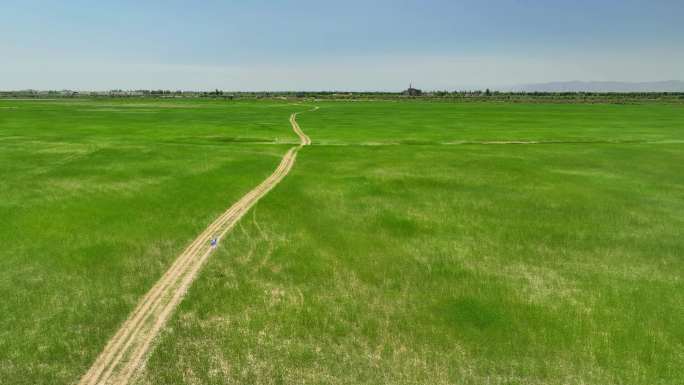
304	139
126	352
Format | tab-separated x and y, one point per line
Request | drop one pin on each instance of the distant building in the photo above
412	91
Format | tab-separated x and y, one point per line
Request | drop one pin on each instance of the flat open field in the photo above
96	200
412	243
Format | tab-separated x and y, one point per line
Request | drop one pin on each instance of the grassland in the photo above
450	264
392	254
389	122
96	199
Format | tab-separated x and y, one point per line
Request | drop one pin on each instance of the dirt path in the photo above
303	138
126	352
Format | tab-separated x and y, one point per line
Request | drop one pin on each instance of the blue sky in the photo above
354	45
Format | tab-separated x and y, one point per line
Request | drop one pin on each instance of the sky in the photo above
336	45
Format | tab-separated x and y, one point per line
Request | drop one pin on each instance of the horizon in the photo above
307	46
506	89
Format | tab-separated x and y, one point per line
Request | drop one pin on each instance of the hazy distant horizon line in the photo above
521	87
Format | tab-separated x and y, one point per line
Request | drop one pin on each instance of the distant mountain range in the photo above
578	86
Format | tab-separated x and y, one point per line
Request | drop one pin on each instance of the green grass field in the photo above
96	200
396	122
392	254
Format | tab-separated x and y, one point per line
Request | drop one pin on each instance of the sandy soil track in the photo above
304	139
126	352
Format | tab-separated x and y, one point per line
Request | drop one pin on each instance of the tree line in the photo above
464	95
